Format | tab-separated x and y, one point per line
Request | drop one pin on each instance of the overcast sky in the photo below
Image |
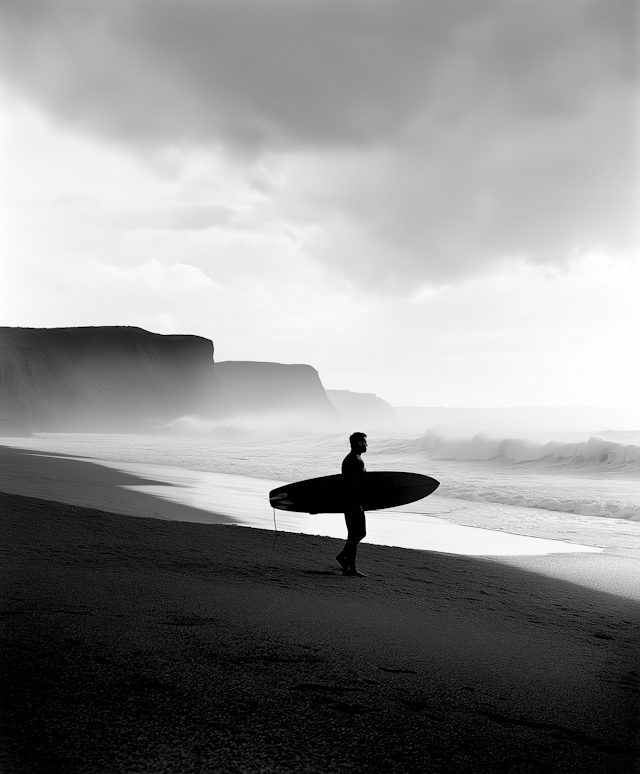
435	201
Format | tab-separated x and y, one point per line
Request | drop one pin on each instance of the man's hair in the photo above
354	438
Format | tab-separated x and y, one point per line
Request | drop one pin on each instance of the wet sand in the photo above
147	645
159	491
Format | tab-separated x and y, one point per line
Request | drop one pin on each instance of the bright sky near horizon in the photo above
432	200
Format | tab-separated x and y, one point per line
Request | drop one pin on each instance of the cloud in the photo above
422	140
290	74
249	73
180	218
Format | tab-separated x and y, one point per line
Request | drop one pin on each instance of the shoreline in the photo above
438	523
152	645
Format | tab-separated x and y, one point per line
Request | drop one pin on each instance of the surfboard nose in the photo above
279	500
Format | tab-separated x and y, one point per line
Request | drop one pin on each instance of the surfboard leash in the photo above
275	526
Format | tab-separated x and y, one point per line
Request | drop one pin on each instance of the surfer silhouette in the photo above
353	472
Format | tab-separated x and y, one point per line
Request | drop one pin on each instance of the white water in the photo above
592	477
572	487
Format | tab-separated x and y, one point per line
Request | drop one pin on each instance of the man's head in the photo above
358	442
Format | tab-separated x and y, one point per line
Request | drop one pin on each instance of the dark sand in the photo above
142	645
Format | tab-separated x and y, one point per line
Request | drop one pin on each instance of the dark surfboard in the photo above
381	489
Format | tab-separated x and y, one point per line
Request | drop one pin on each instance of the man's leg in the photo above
357	530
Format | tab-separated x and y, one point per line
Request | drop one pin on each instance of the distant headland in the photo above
118	379
125	379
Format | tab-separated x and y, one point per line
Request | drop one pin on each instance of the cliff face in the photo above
363	411
115	379
277	395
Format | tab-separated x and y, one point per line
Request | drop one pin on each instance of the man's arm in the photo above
353	474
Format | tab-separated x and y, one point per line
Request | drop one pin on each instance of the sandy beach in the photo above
245	243
156	645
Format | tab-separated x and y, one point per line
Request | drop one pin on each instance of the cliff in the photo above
112	379
363	411
277	396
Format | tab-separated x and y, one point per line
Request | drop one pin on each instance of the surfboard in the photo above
381	489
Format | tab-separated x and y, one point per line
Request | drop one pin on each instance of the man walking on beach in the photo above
353	473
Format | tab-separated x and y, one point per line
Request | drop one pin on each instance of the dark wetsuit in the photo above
353	472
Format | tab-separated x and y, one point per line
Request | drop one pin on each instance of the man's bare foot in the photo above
356	573
343	563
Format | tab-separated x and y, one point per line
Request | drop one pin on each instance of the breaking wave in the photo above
595	452
591	477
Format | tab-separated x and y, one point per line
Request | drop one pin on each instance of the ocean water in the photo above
564	486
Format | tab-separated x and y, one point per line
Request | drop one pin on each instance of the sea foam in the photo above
593	476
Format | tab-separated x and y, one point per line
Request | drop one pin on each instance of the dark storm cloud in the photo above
250	72
484	127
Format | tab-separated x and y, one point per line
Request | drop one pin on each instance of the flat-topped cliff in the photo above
277	395
363	410
114	379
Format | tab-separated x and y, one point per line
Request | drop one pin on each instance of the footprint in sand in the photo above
321	689
178	620
349	709
522	766
421	707
142	683
398	670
